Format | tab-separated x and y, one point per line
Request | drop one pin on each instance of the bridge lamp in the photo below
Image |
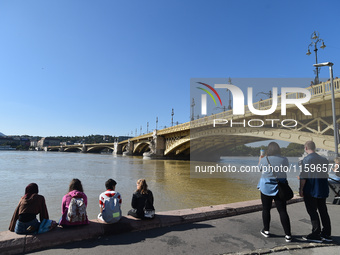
315	40
172	117
336	133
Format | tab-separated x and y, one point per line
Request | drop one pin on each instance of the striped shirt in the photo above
105	196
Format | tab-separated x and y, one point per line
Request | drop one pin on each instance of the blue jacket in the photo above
268	182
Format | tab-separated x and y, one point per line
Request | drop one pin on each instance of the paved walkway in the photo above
236	234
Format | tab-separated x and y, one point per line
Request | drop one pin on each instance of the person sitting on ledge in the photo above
109	203
73	206
24	219
142	202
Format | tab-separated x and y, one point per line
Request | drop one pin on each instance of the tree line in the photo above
87	139
292	150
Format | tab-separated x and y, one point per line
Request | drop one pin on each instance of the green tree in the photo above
293	150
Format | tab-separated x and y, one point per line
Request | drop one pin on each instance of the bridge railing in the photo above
183	126
321	89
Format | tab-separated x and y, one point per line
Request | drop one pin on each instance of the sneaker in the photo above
288	238
265	233
326	238
313	238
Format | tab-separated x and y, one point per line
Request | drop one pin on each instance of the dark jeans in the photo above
313	205
21	227
281	207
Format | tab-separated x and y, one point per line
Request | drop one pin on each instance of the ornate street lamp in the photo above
224	108
172	117
269	94
229	106
335	127
315	40
192	109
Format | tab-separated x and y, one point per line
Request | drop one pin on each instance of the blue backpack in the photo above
112	212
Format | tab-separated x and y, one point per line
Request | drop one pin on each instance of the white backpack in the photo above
76	211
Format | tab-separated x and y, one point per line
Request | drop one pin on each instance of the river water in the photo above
169	181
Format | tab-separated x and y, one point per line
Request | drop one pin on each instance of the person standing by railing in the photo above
268	185
314	190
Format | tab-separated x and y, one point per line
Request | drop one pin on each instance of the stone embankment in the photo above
11	243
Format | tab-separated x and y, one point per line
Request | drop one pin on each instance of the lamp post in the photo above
192	109
336	134
315	40
172	117
224	108
229	106
269	94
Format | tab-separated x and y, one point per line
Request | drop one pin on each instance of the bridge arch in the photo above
53	149
288	135
73	149
215	139
141	147
179	146
96	149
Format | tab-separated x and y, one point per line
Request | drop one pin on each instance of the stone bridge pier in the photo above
156	145
84	149
118	148
129	148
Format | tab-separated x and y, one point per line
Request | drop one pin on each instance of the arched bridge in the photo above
212	134
96	147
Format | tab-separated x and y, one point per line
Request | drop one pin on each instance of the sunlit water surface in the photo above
169	181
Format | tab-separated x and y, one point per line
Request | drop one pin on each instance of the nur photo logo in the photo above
204	97
289	95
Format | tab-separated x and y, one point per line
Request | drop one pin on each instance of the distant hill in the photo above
1	134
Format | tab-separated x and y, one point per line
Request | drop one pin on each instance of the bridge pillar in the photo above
84	149
157	147
117	148
128	149
61	149
160	145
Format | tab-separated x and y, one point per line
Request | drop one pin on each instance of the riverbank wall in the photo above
11	243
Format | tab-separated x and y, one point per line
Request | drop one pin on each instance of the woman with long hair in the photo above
73	206
142	201
272	167
24	219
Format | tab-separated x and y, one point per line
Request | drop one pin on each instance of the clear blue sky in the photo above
108	67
